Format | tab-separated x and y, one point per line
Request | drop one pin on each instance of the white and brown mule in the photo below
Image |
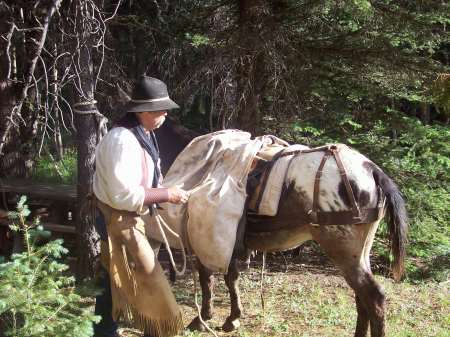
337	197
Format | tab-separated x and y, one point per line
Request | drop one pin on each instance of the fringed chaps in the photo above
141	294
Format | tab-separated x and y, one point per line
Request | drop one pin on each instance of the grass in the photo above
303	300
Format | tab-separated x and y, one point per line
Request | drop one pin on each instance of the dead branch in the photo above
16	110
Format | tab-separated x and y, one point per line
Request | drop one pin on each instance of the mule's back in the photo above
318	191
333	195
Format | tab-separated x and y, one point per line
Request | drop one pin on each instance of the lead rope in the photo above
194	279
161	223
261	289
199	311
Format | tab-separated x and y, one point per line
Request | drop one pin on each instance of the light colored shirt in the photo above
123	171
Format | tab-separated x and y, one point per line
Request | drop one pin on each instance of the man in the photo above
127	185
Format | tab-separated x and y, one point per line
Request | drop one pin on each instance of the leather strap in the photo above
348	187
264	224
316	149
314	215
328	151
315	205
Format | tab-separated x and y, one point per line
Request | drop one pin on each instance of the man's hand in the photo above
178	195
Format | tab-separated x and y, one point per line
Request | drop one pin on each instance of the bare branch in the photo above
8	38
30	74
115	11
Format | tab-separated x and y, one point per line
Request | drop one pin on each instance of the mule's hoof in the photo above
231	325
196	325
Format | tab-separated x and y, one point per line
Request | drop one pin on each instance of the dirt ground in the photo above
306	296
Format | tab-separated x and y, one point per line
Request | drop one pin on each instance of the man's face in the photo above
151	120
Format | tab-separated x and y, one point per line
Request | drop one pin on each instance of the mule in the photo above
332	223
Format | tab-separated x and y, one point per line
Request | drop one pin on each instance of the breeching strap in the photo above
329	150
348	187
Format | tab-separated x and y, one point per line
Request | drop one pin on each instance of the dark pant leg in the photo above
107	327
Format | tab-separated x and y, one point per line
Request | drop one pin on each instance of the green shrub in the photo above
37	298
415	156
48	169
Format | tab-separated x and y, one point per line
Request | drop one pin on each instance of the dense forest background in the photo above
372	74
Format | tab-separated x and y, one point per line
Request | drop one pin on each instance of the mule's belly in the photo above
279	240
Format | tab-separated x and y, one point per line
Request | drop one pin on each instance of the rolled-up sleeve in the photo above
118	176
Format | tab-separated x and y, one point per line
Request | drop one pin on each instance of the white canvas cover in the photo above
214	167
272	191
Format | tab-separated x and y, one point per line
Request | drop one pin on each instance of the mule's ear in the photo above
122	95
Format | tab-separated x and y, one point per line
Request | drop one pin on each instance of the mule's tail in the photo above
397	220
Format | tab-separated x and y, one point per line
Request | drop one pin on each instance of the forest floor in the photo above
306	296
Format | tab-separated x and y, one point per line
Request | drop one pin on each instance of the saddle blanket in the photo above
271	192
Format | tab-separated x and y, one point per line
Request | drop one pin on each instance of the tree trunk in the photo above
250	67
87	243
86	125
249	89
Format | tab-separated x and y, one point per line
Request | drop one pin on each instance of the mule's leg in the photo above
370	297
362	323
370	302
348	247
232	282
207	285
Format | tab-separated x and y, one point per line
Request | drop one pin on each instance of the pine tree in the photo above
37	297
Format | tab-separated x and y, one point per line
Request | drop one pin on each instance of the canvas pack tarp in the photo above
214	167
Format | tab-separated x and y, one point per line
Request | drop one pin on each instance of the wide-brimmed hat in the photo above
150	94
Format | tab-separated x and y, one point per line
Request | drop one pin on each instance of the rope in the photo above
85	103
87	112
101	119
261	289
199	311
161	223
91	112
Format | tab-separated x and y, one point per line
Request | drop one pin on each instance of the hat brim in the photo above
166	104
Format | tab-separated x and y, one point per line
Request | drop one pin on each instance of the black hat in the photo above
150	94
